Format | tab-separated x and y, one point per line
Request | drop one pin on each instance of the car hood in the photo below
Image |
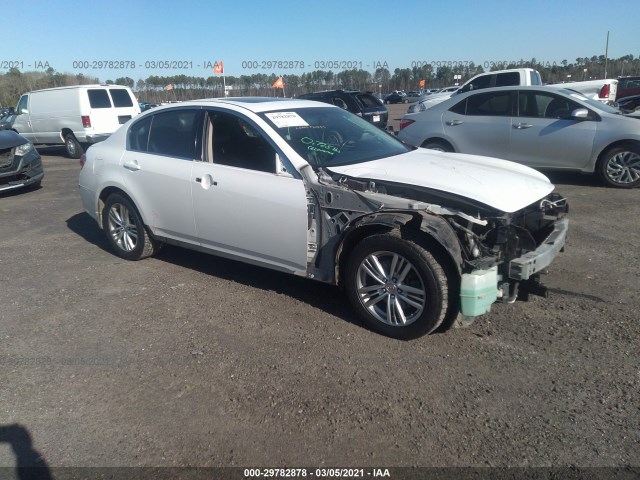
500	184
10	139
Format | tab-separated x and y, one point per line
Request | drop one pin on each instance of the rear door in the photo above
481	123
156	167
110	107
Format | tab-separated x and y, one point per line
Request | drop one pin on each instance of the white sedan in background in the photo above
547	128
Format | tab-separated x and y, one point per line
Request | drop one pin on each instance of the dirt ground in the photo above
190	360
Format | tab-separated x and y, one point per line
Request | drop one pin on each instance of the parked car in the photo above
20	163
363	104
315	191
74	116
396	97
498	78
147	106
630	106
627	87
542	127
6	122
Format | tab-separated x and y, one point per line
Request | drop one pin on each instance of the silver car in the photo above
313	190
543	127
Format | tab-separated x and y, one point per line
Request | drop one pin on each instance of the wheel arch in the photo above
64	132
616	144
438	140
439	237
106	192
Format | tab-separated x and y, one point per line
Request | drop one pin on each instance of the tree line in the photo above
154	88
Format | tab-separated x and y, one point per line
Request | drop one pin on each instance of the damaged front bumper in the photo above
478	289
524	267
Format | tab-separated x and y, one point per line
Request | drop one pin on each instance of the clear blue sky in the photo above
235	31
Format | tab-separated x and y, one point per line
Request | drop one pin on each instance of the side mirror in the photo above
580	114
21	111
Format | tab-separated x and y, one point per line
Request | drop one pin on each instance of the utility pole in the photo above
606	55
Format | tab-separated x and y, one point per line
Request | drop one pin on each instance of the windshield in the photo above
592	103
327	136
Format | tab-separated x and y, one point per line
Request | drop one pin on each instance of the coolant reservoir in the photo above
478	290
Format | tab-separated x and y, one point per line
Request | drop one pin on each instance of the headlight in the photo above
23	149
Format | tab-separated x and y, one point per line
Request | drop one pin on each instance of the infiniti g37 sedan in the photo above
546	128
416	238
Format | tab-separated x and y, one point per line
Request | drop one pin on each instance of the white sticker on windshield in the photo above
287	119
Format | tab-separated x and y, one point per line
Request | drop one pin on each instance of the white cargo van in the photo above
74	116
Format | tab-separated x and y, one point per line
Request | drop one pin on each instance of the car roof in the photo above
254	104
543	88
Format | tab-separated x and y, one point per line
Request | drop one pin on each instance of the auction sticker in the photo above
286	119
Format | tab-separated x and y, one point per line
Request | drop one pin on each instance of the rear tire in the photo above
396	286
74	149
437	145
125	231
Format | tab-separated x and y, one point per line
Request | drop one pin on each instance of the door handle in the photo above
453	123
206	181
521	126
133	166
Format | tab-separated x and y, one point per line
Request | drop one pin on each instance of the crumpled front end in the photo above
510	251
20	166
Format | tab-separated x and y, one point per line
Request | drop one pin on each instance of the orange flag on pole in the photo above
217	67
279	83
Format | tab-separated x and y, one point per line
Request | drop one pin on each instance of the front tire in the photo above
74	149
396	286
620	167
125	231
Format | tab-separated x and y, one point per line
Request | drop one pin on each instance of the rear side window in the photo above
139	134
174	133
121	97
535	78
99	98
508	79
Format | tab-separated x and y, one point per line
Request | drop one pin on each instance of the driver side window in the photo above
232	141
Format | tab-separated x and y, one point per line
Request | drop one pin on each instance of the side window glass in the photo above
121	97
22	105
138	135
235	142
338	102
479	83
459	107
508	79
558	107
99	98
489	104
532	104
174	133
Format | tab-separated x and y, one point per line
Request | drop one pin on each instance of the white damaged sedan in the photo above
415	237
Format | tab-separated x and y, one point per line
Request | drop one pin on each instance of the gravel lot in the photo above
190	360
